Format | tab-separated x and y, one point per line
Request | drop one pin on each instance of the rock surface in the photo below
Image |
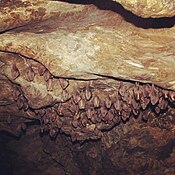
89	76
88	43
150	8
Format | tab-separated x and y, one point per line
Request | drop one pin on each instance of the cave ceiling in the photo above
86	68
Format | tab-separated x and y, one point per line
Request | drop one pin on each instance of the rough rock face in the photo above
150	8
95	81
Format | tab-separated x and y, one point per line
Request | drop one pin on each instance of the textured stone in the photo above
89	43
150	8
81	73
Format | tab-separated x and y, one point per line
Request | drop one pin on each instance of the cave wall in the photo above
87	87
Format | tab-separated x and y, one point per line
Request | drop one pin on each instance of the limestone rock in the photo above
150	8
78	73
91	43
